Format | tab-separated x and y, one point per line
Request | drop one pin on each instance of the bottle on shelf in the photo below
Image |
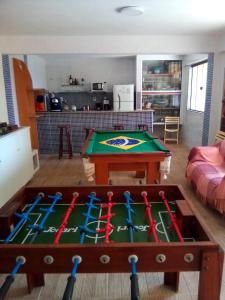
70	80
76	82
105	88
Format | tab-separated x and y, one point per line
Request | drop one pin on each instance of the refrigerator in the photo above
123	97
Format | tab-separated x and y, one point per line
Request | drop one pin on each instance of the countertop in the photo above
10	133
92	111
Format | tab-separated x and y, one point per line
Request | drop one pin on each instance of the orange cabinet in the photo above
25	99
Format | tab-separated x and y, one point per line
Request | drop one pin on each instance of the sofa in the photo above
206	171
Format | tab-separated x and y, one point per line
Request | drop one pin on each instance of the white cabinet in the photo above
16	162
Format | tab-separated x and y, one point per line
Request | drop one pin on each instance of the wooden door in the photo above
25	99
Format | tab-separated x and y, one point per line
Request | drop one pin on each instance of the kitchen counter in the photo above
10	133
48	132
92	111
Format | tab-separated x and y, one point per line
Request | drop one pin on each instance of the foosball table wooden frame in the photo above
206	255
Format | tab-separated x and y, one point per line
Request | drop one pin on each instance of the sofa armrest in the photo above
220	196
210	154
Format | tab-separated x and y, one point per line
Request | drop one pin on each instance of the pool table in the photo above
124	150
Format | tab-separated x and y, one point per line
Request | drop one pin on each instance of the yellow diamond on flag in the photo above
122	142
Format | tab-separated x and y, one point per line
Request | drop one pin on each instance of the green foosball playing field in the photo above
120	234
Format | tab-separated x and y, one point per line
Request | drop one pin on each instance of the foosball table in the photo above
107	229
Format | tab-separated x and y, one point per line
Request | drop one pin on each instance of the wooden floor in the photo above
117	286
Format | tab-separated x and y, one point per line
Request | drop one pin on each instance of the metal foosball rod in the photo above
24	217
20	260
108	227
152	222
38	228
130	211
68	293
132	258
135	295
172	217
65	218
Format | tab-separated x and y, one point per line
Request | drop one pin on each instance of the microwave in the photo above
97	86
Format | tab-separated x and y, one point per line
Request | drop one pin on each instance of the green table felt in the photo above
150	144
119	234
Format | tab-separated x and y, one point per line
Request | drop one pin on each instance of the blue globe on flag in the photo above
122	142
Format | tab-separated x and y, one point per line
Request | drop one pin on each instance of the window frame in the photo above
190	83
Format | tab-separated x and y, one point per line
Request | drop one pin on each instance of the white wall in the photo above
192	121
221	43
37	68
113	70
3	107
161	44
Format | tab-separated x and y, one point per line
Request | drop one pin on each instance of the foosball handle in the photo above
68	293
134	287
6	285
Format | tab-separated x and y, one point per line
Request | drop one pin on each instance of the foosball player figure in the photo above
108	216
131	227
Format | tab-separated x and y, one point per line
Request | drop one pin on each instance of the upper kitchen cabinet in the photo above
159	85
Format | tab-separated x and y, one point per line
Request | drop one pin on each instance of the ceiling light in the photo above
131	10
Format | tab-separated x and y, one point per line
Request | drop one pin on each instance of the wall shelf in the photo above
73	88
162	92
166	108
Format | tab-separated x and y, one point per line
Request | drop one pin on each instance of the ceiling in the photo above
99	17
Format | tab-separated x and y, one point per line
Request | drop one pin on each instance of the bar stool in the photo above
143	127
87	130
67	129
118	127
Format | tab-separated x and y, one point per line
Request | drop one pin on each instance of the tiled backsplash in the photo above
81	99
49	133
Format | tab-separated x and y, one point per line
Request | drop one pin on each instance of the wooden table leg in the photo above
211	276
172	279
140	174
35	280
101	173
153	173
61	143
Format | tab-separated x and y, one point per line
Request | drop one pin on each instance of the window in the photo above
197	86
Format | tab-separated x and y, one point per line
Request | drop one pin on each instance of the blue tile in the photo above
8	89
206	120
